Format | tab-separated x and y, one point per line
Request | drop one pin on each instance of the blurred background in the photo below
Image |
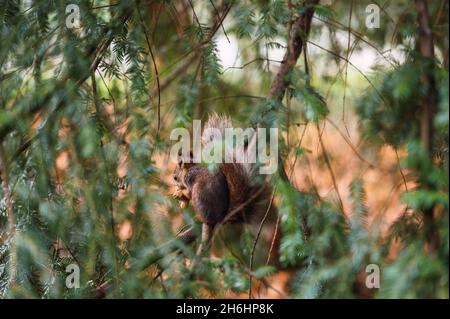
88	98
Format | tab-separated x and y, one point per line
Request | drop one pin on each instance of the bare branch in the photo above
95	53
426	48
297	36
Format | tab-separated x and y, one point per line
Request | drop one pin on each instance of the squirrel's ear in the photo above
180	158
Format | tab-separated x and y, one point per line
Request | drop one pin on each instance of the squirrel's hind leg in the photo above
207	232
205	243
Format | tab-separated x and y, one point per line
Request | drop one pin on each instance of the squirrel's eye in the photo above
175	177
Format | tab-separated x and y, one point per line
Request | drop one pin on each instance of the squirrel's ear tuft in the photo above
180	159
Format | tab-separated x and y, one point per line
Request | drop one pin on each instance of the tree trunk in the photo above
426	50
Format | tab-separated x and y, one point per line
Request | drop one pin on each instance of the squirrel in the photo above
228	194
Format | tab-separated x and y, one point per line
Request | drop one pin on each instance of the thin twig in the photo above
356	34
243	205
354	66
403	178
248	63
244	266
196	17
346	66
272	243
112	223
348	142
110	94
221	24
10	216
256	241
96	53
300	30
330	169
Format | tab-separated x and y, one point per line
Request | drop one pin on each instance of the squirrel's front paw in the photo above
179	194
183	203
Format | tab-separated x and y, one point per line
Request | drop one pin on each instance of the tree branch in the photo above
255	242
297	36
172	246
426	49
10	216
96	53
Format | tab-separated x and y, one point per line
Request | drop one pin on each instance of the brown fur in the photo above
215	195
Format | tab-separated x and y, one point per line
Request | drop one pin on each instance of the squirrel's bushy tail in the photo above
249	195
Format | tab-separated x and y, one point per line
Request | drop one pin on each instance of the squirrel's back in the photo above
231	193
248	198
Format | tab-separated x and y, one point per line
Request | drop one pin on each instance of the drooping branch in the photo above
155	68
172	246
95	54
10	215
188	236
298	34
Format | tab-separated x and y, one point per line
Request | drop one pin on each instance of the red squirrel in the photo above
230	194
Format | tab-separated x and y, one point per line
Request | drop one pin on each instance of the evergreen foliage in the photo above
79	106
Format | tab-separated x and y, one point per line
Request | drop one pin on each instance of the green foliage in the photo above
211	65
391	113
293	204
86	160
